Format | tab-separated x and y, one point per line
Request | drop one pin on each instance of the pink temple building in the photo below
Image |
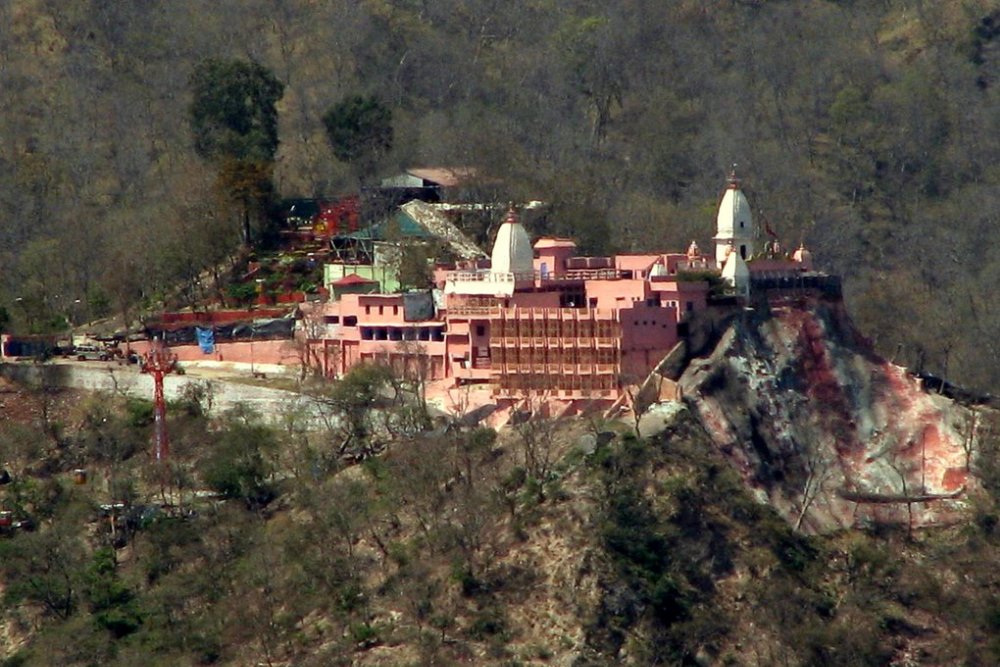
537	319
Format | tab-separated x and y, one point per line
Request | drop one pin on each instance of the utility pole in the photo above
158	361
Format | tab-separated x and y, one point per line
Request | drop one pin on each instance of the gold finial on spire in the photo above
734	180
511	214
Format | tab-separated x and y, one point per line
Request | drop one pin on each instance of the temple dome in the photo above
734	224
512	252
734	219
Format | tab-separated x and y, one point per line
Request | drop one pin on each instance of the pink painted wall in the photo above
535	299
648	328
590	263
553	254
378	314
616	293
687	297
638	264
373	308
341	357
283	352
648	334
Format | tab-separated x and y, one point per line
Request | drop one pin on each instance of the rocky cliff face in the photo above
825	430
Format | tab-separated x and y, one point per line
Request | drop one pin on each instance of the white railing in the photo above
506	277
487	276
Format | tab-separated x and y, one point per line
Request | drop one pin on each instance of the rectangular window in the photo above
480	330
351	321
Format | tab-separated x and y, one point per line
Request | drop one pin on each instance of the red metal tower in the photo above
159	362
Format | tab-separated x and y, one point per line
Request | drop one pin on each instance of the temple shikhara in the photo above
534	318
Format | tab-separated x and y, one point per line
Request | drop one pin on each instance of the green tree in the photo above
233	111
241	463
43	568
414	267
234	119
593	67
111	601
353	405
360	132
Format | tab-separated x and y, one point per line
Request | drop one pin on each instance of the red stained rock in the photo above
824	428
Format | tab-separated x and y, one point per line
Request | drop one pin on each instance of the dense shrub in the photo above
239	466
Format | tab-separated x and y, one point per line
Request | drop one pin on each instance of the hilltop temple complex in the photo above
537	319
531	320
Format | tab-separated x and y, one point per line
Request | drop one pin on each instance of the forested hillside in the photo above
869	130
554	542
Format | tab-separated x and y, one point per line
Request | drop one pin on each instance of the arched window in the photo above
743	251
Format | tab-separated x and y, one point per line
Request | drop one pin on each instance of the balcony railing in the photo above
487	276
473	311
587	274
504	277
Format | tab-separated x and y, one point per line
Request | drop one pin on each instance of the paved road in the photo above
272	404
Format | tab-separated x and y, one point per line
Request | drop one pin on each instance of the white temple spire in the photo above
734	224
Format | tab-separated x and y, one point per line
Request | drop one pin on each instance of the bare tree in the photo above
819	469
536	440
903	472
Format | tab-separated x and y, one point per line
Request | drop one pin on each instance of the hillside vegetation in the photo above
559	543
866	129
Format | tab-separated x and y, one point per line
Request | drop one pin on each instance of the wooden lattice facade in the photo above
572	352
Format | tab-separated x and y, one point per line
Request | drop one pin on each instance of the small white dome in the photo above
512	252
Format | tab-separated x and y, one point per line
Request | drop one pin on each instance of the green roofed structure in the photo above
373	252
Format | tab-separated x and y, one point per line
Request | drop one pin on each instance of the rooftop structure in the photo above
430	177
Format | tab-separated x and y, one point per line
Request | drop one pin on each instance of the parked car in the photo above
91	353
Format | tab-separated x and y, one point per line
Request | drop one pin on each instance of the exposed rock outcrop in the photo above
824	429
